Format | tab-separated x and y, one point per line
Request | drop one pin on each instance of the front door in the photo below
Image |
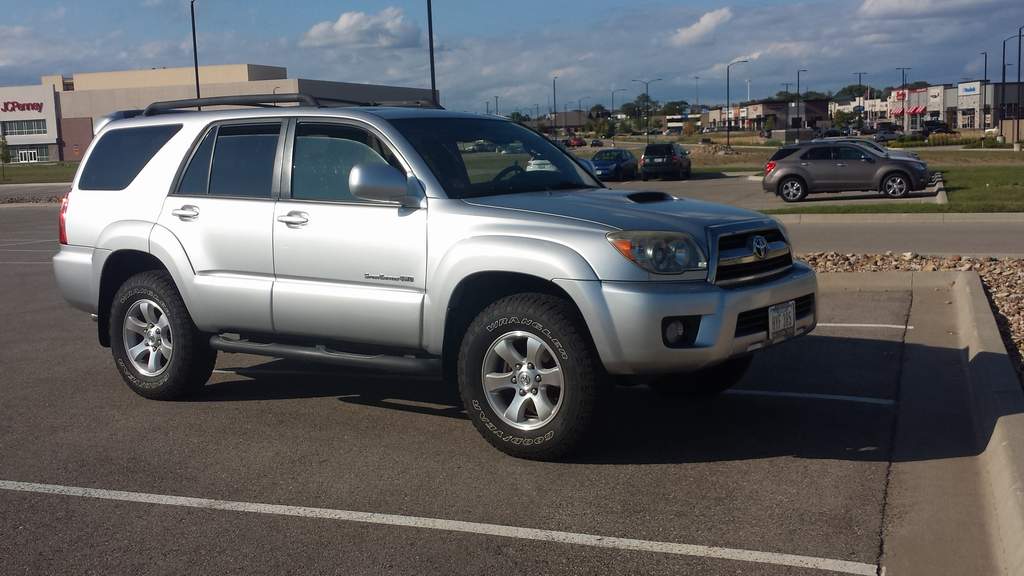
222	213
29	155
855	168
346	269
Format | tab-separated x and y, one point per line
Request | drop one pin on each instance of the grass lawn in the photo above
38	173
978	188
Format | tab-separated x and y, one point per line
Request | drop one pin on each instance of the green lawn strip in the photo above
969	188
38	173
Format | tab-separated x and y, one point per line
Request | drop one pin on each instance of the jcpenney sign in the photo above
15	106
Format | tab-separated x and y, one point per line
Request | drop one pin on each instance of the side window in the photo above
196	180
820	153
850	153
325	154
121	154
243	160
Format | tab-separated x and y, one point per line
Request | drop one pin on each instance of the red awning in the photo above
897	111
917	110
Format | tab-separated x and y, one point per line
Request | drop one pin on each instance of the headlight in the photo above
660	252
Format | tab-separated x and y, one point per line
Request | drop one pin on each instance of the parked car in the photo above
885	136
595	143
302	232
615	164
665	160
577	142
795	171
877	148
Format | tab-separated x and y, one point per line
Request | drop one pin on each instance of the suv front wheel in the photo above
156	347
528	376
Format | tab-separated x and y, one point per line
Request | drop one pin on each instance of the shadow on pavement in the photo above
868	195
639	426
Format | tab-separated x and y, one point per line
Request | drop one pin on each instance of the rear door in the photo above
222	212
855	168
344	264
818	166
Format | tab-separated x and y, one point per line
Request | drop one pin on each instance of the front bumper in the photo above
625	319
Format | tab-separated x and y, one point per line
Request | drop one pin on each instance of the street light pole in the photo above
728	103
1016	125
487	104
495	105
860	87
984	90
903	87
554	106
430	36
647	92
195	50
1002	88
799	116
696	90
612	111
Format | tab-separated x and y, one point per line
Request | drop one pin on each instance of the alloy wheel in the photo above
148	341
522	380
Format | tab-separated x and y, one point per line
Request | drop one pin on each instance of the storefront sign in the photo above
901	95
969	89
15	106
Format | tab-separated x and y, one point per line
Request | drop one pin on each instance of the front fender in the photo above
540	258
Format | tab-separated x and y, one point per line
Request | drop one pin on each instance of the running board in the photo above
319	353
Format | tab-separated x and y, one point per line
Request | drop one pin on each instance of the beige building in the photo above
54	119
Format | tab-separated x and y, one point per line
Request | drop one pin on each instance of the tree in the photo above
851	91
812	95
784	96
5	156
629	109
519	117
675	107
599	111
841	118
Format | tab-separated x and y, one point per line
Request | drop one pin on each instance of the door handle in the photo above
803	163
840	165
186	212
294	219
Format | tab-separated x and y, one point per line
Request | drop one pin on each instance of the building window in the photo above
33	153
23	127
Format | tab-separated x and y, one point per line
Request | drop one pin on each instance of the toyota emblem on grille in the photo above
759	245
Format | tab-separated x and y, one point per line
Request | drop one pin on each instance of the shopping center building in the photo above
54	119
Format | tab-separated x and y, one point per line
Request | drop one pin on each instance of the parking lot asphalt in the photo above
793	462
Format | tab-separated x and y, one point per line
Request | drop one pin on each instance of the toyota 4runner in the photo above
383	238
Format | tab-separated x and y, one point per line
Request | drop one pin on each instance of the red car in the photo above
577	142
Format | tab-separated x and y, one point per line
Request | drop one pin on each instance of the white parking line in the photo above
23	242
841	566
28	262
2	249
813	396
845	325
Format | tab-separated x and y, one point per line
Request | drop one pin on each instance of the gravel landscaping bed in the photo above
1003	279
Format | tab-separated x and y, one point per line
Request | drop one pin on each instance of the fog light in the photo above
680	331
674	332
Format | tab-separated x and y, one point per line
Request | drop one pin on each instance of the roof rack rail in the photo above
261	100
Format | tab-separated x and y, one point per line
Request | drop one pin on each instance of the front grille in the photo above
737	263
756	321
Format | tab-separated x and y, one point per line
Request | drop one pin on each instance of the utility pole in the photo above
1002	90
430	36
984	100
495	105
647	92
1016	125
195	50
487	103
748	89
696	90
903	87
565	118
860	87
728	103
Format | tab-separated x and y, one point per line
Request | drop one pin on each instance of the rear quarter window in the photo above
121	154
782	153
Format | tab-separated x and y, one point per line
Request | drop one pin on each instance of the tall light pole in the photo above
1016	125
696	90
195	49
647	92
612	111
860	87
799	116
579	104
903	87
487	104
984	90
728	102
554	106
430	37
565	118
1002	88
495	105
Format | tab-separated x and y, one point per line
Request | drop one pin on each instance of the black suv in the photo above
665	160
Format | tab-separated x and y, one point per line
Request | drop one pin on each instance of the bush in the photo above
772	142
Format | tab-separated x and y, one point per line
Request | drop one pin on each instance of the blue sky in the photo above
512	49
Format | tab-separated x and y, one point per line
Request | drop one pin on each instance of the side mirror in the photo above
383	183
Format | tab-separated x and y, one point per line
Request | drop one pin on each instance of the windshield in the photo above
483	157
606	156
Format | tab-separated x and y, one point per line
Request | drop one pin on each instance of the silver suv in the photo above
389	238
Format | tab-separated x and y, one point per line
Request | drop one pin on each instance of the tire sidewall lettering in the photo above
537	327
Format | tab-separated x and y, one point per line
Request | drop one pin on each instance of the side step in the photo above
319	353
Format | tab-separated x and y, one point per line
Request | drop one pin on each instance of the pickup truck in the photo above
383	238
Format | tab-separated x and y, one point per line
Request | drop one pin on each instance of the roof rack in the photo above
267	100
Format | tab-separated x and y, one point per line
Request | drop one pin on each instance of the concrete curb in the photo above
995	394
998	419
924	218
940	191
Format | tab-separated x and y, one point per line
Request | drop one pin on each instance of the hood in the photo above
604	162
625	209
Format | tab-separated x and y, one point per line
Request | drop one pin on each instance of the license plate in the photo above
782	320
659	160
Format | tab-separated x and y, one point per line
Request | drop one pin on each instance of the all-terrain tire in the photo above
191	359
524	318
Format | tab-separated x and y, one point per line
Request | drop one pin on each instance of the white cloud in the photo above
701	28
388	28
917	8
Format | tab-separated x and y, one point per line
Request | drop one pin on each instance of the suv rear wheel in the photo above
895	185
792	189
528	376
157	349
